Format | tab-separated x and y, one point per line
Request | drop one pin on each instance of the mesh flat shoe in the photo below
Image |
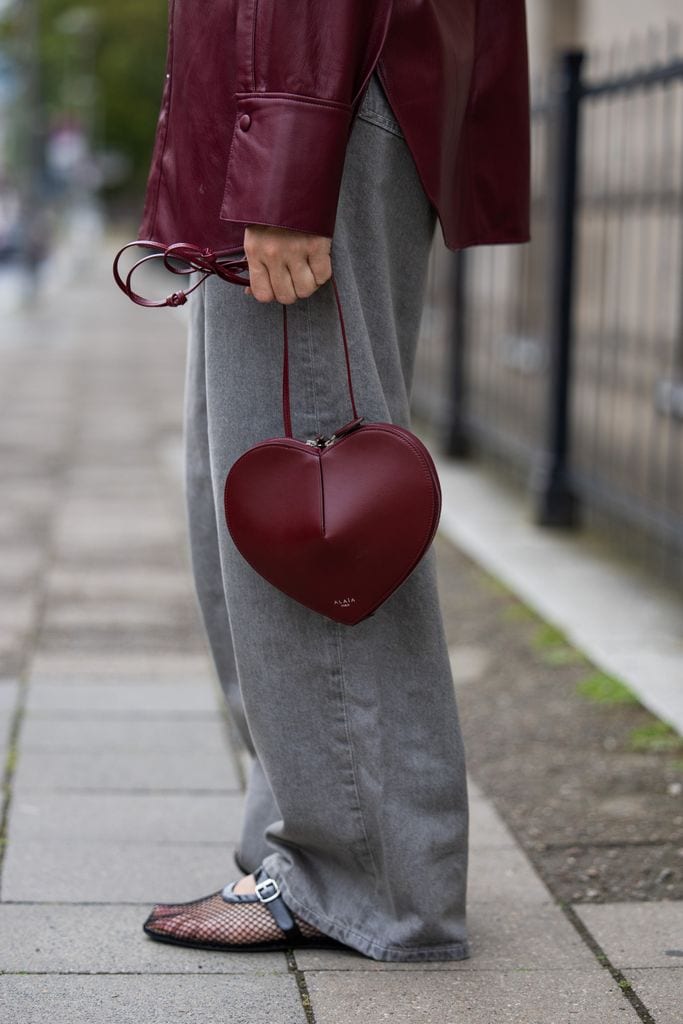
225	920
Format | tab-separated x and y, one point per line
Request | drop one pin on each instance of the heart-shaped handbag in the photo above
336	523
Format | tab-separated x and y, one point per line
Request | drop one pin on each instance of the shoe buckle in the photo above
263	886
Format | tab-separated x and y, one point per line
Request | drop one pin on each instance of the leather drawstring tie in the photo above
182	259
192	259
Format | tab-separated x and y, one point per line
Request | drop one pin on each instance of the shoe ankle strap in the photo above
269	893
267	890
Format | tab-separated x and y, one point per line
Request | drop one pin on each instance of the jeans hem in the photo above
361	943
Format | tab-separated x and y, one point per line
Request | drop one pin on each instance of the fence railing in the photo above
565	356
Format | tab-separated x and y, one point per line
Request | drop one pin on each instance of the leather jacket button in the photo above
244	122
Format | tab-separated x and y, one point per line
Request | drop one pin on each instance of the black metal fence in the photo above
565	356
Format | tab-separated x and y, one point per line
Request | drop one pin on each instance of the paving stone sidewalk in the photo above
123	786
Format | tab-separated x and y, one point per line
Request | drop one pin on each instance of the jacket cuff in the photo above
286	161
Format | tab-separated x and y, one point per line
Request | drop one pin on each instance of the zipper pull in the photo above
319	441
343	431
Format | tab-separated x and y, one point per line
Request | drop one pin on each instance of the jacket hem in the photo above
486	238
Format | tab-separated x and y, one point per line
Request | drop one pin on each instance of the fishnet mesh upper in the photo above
213	920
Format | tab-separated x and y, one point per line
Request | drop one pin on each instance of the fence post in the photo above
457	441
556	501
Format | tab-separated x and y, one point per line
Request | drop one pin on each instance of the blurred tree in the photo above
104	62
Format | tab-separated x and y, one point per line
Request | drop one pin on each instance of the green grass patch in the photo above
548	636
516	611
605	689
548	641
553	647
655	737
493	583
564	655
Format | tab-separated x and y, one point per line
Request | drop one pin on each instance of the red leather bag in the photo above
337	523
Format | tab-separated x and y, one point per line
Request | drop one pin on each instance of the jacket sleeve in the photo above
302	67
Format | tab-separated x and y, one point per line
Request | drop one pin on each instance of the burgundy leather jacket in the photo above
260	97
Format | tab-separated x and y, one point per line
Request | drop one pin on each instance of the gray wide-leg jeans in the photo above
357	798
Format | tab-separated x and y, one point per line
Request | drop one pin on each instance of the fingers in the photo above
303	279
320	265
259	282
304	283
285	265
282	284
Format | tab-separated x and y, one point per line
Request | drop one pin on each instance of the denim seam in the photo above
352	758
374	117
219	516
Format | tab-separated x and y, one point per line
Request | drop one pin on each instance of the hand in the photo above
285	265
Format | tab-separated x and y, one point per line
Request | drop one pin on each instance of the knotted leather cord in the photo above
194	258
233	270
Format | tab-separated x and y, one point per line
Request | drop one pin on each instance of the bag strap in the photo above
188	259
286	410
